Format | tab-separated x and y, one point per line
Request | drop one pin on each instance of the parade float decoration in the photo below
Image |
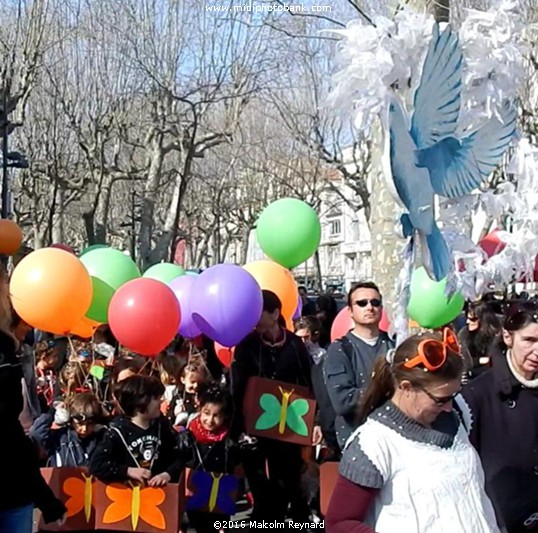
447	102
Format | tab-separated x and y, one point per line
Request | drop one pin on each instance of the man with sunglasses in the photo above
349	362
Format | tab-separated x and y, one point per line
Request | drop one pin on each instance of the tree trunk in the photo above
386	243
243	255
96	219
148	202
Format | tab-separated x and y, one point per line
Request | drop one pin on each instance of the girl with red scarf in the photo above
205	445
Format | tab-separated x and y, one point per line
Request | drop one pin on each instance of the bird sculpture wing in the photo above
457	167
437	99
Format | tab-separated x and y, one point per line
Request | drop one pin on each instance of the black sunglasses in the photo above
374	302
440	400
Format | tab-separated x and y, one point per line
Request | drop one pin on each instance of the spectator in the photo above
309	307
504	408
22	485
410	466
350	359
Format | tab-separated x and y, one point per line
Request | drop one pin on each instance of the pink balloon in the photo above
384	323
342	324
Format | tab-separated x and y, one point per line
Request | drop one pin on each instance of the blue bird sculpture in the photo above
426	157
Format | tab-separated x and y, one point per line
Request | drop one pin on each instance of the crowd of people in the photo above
438	434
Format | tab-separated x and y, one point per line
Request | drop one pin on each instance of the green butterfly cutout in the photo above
285	413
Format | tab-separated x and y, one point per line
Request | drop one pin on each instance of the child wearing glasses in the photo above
410	466
70	433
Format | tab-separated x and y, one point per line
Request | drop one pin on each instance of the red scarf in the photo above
203	436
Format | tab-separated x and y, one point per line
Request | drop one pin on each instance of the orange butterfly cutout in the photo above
80	496
135	502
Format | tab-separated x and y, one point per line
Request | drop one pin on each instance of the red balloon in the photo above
225	354
144	316
65	247
342	324
492	243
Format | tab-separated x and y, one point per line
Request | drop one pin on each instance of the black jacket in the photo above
154	448
347	369
21	482
505	433
215	457
289	363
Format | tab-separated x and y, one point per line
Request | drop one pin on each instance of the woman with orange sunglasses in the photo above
410	466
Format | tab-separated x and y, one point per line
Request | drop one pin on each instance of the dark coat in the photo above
219	456
21	482
505	433
289	363
348	368
63	446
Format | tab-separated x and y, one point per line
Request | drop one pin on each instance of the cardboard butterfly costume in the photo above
279	410
92	504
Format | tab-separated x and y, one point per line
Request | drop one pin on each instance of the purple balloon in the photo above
182	287
226	303
299	310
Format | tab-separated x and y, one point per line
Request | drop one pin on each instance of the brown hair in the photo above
197	365
85	403
73	377
386	376
170	366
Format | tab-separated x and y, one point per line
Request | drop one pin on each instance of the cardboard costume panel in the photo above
76	489
328	473
92	504
211	492
134	507
279	410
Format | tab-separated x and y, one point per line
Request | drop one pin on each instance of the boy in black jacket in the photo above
205	445
140	444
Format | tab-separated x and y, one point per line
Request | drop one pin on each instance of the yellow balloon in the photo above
273	277
51	290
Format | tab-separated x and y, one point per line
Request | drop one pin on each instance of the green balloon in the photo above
428	305
92	247
109	270
288	231
164	272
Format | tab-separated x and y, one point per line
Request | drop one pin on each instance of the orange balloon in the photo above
10	237
273	277
85	327
51	290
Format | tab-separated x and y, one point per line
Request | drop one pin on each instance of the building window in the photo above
335	227
356	230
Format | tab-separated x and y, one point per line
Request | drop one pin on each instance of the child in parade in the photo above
47	359
205	444
70	433
140	445
170	369
194	375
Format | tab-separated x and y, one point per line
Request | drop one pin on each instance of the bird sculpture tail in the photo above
440	259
